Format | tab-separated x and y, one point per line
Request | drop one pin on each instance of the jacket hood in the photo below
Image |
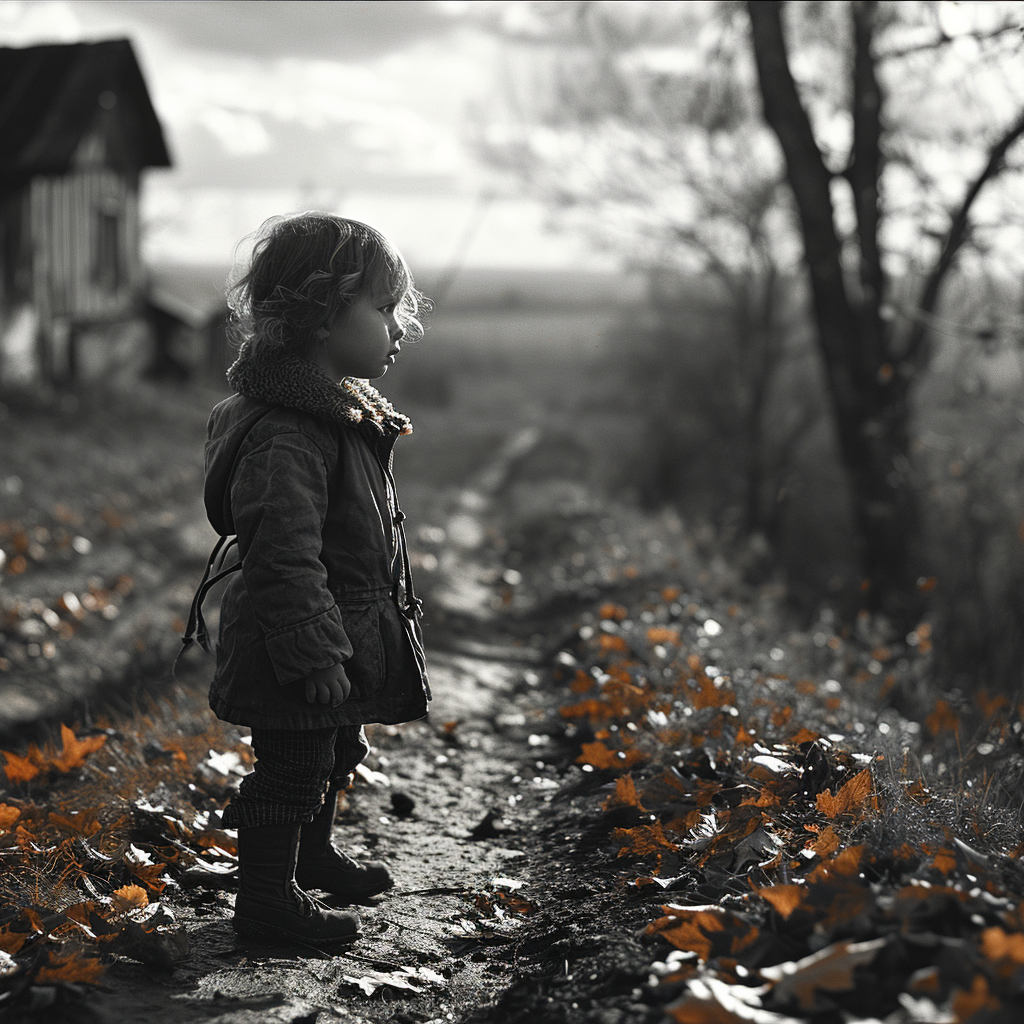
291	383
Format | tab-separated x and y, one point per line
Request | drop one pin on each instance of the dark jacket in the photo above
299	468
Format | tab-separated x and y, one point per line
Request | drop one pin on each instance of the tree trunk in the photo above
869	400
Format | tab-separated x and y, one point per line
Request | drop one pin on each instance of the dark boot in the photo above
322	866
270	905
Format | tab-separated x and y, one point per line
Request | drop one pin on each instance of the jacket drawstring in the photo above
195	630
413	607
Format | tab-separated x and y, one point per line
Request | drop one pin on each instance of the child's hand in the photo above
328	686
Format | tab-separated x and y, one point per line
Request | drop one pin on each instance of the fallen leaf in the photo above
84	823
942	718
830	969
625	794
966	1004
407	979
709	1000
692	933
598	755
944	861
72	966
11	941
8	816
999	945
784	898
610	643
662	635
128	898
805	735
643	840
850	796
707	695
846	864
75	751
22	769
827	842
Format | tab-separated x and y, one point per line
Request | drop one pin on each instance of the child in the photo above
319	630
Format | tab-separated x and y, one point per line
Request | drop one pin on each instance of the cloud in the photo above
325	29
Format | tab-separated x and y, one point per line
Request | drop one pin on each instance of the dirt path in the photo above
454	805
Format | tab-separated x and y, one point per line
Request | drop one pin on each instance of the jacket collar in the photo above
297	383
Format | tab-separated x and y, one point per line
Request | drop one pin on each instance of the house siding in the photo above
72	278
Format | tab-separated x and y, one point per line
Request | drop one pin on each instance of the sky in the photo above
270	106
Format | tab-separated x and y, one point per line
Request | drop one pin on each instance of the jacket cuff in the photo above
317	643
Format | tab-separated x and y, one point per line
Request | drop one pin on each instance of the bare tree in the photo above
671	168
871	360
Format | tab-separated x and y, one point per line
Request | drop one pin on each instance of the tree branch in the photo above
959	229
943	39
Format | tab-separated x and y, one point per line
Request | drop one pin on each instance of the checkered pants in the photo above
294	769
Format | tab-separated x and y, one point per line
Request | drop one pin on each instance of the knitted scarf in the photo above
297	383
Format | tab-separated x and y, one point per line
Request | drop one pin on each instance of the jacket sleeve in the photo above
279	503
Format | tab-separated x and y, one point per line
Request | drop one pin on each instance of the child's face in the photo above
364	340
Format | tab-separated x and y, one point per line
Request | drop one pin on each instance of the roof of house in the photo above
53	97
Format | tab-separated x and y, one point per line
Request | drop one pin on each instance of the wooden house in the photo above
77	128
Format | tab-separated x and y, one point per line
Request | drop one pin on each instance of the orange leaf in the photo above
615	612
74	966
711	696
581	682
11	941
990	706
128	897
83	823
625	793
689	929
23	769
944	861
965	1004
609	643
942	719
598	755
846	863
642	840
8	816
745	738
784	898
998	945
662	635
827	842
692	1010
75	751
805	735
849	796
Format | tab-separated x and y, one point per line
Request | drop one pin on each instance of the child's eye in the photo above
388	309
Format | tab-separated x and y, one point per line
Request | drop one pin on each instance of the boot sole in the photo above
274	934
348	895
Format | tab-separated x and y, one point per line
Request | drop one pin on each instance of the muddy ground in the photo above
495	901
461	809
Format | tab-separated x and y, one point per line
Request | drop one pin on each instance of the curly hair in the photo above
304	271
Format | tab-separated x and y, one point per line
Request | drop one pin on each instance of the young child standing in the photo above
319	629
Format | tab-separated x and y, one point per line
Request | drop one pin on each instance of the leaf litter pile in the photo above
723	843
99	836
777	845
